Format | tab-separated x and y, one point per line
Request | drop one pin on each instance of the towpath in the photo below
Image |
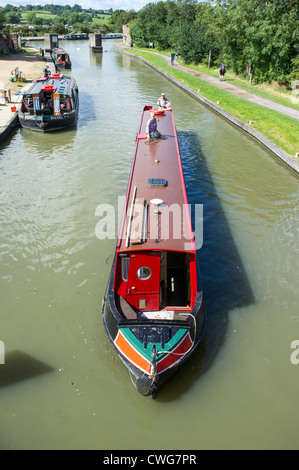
231	88
31	65
290	160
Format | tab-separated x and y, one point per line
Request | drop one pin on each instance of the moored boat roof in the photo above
60	82
156	215
59	50
76	35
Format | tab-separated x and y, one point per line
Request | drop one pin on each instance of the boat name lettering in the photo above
295	354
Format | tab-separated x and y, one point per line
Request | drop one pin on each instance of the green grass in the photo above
101	19
274	95
277	127
41	13
272	92
47	14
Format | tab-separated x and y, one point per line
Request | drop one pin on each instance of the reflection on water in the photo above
240	383
96	59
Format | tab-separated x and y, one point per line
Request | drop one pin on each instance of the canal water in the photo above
62	386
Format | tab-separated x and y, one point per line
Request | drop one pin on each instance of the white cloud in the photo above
95	4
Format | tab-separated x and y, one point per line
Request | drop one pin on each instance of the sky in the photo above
95	4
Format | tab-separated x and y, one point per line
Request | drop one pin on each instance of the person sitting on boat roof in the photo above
163	102
152	127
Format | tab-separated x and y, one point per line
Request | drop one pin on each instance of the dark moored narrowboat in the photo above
50	104
71	36
61	58
153	312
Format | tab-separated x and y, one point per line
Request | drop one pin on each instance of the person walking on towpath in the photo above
222	72
172	57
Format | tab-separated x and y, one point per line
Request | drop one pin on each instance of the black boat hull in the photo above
64	66
47	125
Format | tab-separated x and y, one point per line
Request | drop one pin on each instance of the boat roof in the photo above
59	50
68	35
61	83
156	214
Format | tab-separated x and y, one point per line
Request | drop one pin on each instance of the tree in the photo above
9	8
151	26
260	37
59	28
207	19
31	17
2	19
73	17
119	18
13	17
77	8
59	20
79	28
192	46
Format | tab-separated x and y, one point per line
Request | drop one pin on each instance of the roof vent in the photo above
156	183
156	202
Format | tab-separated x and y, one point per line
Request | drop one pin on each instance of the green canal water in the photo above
62	386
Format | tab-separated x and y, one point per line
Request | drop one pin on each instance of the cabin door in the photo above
143	284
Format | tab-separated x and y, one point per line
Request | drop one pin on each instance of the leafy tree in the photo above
31	17
79	28
59	28
13	17
119	18
163	23
210	24
39	21
8	8
73	17
77	8
261	37
58	20
192	46
150	26
2	19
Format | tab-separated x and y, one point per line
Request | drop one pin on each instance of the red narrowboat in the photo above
153	313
